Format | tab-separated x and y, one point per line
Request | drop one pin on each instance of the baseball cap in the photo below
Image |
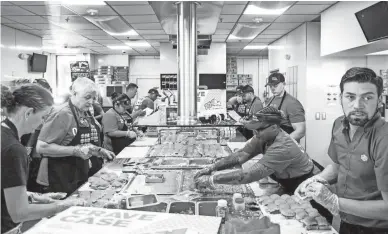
154	91
264	118
275	78
247	89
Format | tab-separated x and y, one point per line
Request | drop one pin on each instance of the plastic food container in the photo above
187	208
154	178
160	207
200	162
207	208
142	200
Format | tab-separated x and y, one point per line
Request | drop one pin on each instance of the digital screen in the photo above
38	63
373	21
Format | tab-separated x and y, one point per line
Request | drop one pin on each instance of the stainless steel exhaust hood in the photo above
208	14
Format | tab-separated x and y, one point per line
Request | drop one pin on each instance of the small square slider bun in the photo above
274	196
285	196
267	202
322	223
284	206
310	223
279	201
273	209
300	215
262	198
287	213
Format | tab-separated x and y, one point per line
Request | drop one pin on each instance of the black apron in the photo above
119	143
67	174
287	129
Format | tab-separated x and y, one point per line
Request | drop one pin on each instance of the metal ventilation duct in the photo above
208	14
203	41
110	24
249	30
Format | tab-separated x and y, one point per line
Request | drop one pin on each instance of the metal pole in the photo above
187	61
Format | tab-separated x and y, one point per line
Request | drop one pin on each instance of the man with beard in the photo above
359	151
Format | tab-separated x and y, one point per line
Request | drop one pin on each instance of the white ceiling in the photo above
58	24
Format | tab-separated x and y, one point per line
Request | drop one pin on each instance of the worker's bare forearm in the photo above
54	150
330	173
376	209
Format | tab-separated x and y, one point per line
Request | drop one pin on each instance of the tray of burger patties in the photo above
291	208
180	150
181	163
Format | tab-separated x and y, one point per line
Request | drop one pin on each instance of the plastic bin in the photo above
207	208
187	208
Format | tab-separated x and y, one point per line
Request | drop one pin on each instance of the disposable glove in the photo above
322	194
300	191
204	182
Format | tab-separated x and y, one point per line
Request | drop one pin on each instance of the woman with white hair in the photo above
68	140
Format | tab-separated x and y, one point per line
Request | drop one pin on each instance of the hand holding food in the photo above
204	182
131	134
300	192
45	198
104	153
322	194
83	151
204	171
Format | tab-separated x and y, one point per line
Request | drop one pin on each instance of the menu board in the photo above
79	69
90	220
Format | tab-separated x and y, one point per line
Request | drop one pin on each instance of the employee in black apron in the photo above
117	123
284	160
252	105
70	141
294	122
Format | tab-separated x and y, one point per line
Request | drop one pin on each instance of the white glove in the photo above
45	198
131	134
300	191
322	194
84	151
63	205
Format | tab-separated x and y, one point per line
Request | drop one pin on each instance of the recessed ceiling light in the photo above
255	47
83	2
255	10
384	52
233	37
115	47
257	20
137	44
129	33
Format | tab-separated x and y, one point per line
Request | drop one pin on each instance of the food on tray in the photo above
305	205
109	177
284	206
187	212
294	206
279	201
322	223
154	178
267	202
310	223
249	200
117	184
308	210
298	210
273	209
287	213
313	213
99	184
285	196
274	196
300	215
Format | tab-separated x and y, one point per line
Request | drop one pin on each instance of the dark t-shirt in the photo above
292	109
14	171
147	103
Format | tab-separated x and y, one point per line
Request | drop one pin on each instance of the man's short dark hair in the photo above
248	89
362	75
132	86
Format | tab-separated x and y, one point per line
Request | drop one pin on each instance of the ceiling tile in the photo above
147	26
229	18
151	32
250	18
315	2
49	10
295	18
34	31
283	26
154	44
156	37
14	10
100	37
274	32
134	10
235	2
236	44
37	3
81	10
225	25
120	3
268	36
43	26
141	18
7	21
265	40
128	37
306	9
6	3
232	9
222	31
29	19
18	26
109	42
92	32
218	40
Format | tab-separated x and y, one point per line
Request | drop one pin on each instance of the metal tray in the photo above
207	208
181	208
200	162
160	207
141	201
171	185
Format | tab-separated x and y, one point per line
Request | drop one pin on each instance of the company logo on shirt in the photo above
364	158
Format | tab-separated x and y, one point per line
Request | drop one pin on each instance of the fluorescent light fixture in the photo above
129	33
233	37
255	47
255	10
118	47
138	44
83	2
384	52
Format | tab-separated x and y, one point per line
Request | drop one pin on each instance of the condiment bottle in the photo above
236	195
222	209
239	204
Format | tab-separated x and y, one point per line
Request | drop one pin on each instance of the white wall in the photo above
108	60
258	67
377	63
340	28
11	65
